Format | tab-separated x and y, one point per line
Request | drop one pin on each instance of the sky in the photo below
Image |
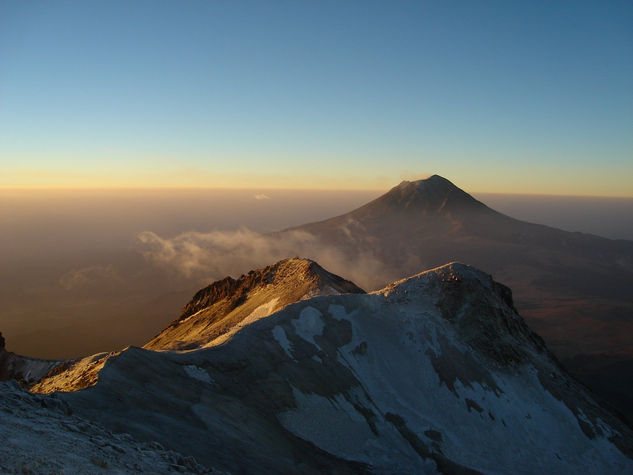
498	96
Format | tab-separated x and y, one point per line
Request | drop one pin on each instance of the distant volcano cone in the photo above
433	197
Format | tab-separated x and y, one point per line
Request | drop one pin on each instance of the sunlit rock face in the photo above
433	373
216	312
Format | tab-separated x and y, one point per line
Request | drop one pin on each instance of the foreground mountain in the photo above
219	310
434	373
39	434
574	289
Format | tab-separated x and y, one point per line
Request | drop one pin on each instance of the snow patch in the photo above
198	373
279	334
193	315
309	324
337	311
331	423
260	312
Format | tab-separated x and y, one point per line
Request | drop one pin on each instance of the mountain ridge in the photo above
426	374
218	309
22	368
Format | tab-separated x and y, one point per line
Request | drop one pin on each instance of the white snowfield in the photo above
433	374
515	425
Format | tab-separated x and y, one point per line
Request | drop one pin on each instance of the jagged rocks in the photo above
217	311
21	368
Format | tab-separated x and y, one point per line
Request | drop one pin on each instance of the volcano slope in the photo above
436	373
573	289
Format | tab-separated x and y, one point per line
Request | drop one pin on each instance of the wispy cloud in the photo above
261	196
219	253
76	278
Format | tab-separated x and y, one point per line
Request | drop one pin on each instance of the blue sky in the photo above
497	96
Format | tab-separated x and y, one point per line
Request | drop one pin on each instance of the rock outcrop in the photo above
21	368
218	310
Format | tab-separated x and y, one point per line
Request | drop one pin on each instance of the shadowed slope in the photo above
437	372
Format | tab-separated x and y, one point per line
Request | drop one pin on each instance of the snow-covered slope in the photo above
221	309
40	434
426	223
435	373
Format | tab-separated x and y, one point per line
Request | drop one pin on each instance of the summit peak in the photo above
218	311
434	195
430	180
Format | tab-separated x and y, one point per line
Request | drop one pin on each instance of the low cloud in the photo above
262	196
77	278
216	254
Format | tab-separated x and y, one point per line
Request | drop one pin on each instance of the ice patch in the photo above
260	312
309	324
330	423
338	312
279	334
607	430
193	315
329	290
198	373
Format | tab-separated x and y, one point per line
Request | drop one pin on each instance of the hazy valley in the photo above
291	368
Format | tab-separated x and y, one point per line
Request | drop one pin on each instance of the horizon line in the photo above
246	188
